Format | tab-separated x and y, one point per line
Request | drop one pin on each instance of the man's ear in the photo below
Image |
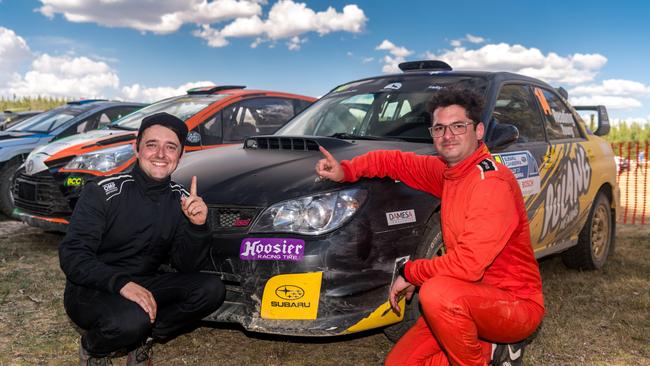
480	131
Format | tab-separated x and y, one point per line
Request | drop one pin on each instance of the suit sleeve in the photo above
78	250
420	172
191	245
490	222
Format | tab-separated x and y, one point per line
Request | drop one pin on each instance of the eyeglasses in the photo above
456	128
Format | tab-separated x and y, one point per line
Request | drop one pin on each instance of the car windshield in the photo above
46	121
182	107
384	108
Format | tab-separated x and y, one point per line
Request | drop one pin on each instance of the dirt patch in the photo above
594	318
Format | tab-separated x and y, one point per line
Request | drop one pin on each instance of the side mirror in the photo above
502	135
601	113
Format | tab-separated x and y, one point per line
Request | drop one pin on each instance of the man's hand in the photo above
329	167
400	288
193	206
141	296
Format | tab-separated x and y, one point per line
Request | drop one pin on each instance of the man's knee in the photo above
129	327
211	292
442	293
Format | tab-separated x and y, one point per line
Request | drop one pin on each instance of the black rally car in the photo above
304	256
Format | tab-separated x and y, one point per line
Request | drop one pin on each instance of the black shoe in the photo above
86	359
508	354
141	356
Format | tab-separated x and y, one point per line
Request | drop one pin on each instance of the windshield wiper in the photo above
349	136
118	127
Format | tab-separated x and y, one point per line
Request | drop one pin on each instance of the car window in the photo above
210	131
516	106
378	108
182	107
255	116
559	121
45	122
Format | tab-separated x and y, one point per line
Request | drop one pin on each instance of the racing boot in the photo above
86	359
508	354
141	356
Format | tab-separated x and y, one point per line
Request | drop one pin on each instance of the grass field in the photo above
593	318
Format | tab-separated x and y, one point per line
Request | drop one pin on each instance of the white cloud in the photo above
611	102
13	52
615	87
553	68
468	38
286	19
295	42
64	76
137	92
158	16
639	120
397	55
366	60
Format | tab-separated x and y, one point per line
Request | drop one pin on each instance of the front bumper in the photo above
45	223
343	282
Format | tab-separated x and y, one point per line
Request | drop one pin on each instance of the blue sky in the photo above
149	49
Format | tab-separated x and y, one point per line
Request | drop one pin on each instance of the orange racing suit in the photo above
487	287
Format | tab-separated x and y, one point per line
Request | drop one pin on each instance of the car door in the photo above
515	105
565	175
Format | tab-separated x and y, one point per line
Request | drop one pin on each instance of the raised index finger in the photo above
193	186
327	154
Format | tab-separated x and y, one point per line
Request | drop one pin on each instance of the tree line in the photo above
30	103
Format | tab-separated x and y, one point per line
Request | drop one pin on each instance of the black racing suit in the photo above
122	229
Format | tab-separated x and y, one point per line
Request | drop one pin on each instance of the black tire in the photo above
596	240
430	246
6	180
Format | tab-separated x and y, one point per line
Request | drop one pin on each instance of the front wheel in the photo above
596	240
6	180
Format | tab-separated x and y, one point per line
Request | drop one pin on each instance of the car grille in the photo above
281	143
40	195
231	219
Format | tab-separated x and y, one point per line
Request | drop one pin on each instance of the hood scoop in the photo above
292	143
112	140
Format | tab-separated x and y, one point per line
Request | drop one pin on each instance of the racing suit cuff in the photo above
347	172
118	281
406	271
199	228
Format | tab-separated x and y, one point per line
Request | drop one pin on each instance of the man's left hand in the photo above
193	206
400	288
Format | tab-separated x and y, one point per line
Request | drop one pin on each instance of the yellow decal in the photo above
292	296
383	315
498	159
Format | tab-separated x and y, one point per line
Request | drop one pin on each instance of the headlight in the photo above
102	160
312	215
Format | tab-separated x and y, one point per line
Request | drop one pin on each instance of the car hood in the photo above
258	177
20	138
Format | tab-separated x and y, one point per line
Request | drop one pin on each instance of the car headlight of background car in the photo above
102	160
311	215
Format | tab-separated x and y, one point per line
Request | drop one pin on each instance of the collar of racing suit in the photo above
464	167
149	186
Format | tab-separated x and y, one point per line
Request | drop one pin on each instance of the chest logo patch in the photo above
110	187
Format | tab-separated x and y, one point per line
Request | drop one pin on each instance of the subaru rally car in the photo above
70	119
310	257
47	188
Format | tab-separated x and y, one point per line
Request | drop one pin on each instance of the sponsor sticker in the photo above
393	86
524	167
292	296
400	217
73	182
272	249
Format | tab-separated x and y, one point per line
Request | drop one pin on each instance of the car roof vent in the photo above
424	65
280	143
213	89
86	101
